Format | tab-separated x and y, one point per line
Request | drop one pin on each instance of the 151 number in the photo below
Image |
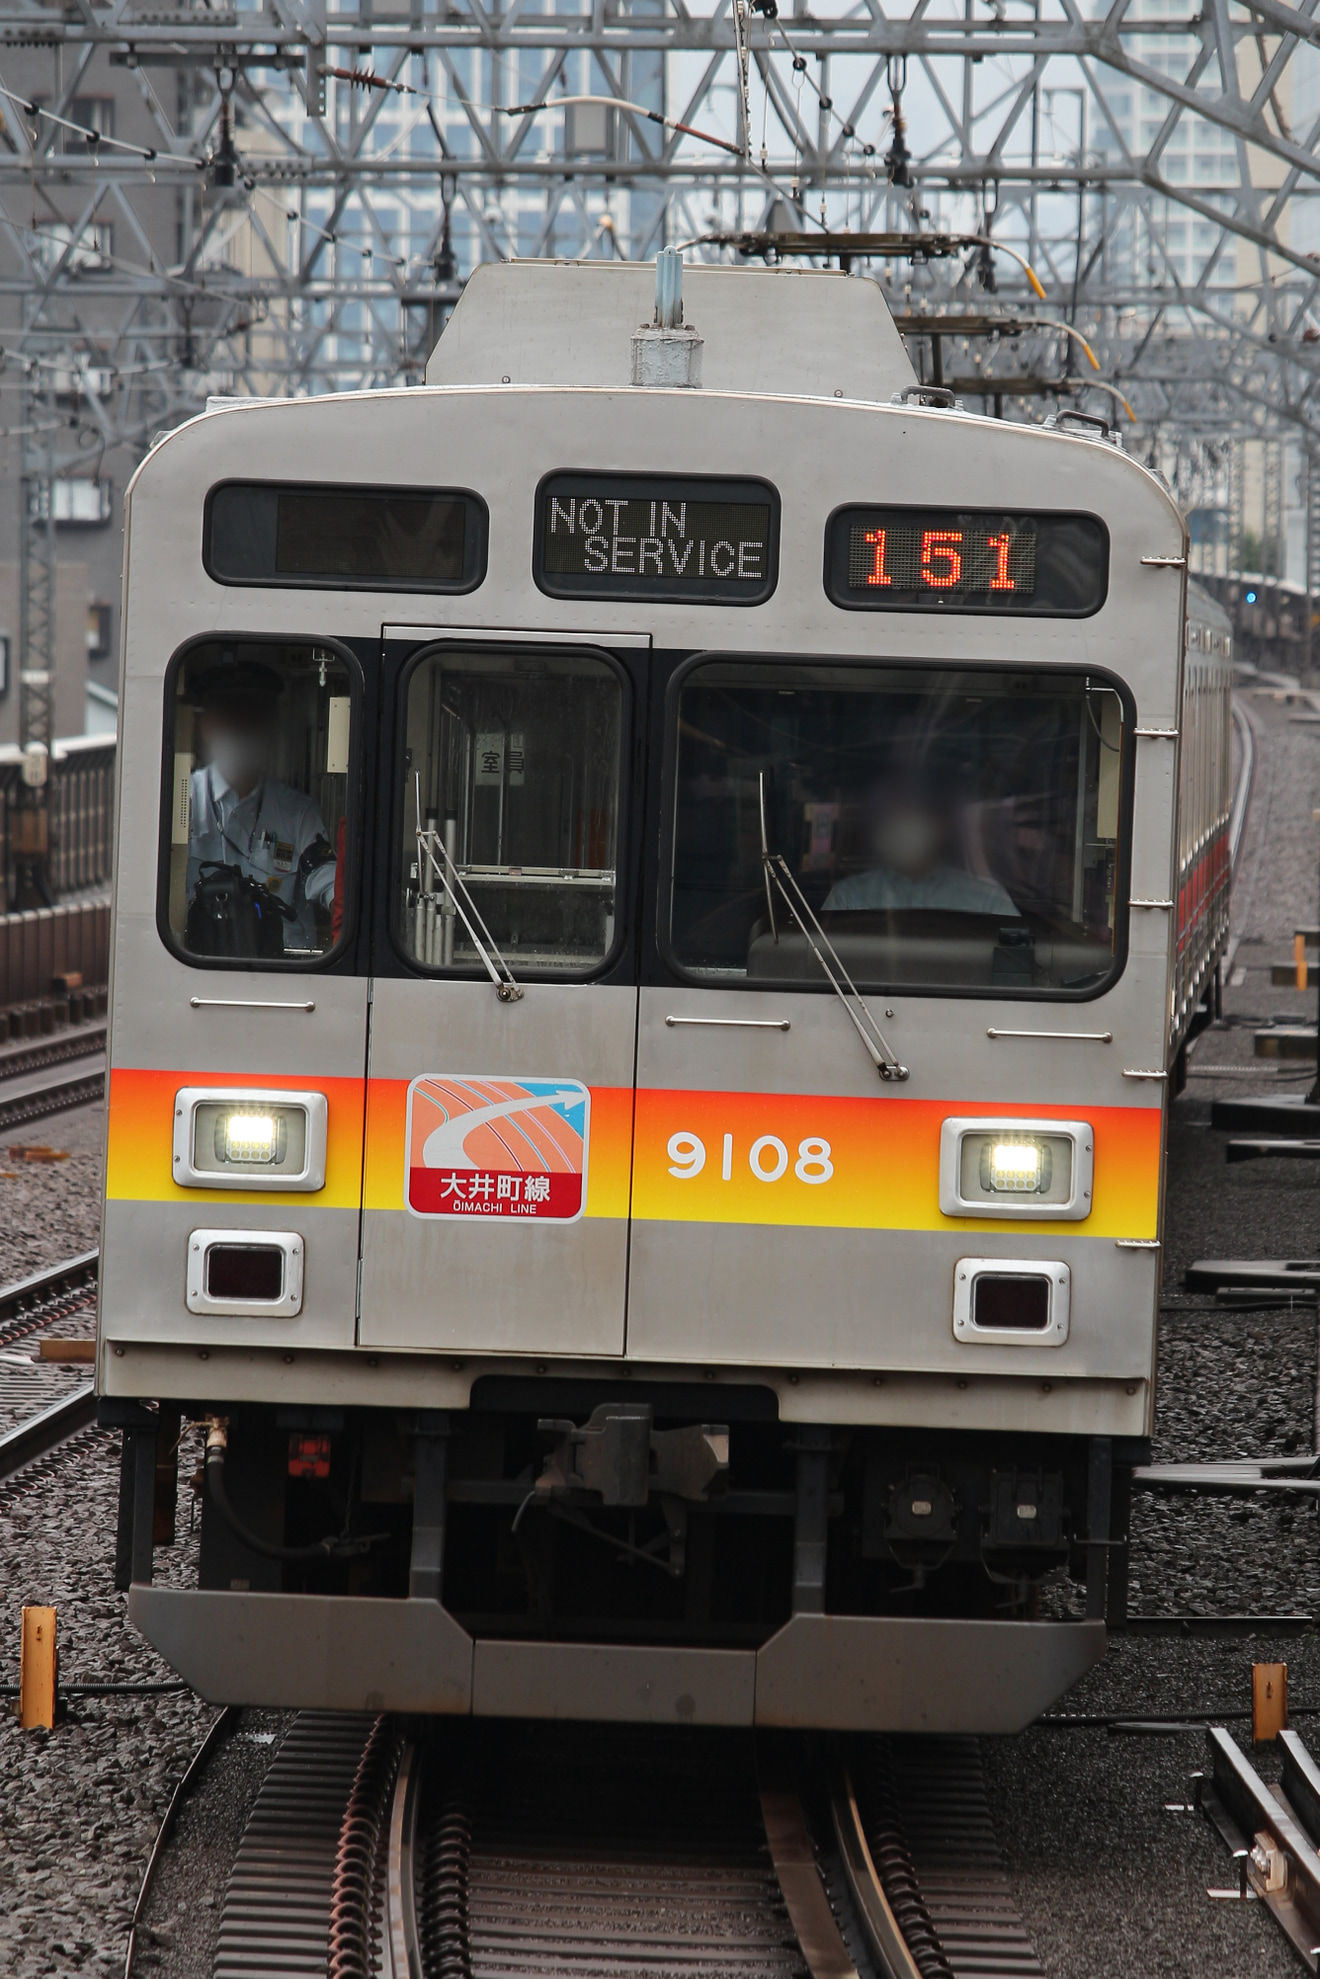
767	1157
941	566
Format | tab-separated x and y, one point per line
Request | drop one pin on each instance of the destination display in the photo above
968	560
345	537
655	536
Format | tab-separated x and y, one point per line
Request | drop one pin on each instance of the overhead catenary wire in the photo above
848	130
373	245
615	103
371	58
369	79
93	138
328	234
364	78
360	78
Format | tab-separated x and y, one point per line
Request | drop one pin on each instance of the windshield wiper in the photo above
466	908
777	873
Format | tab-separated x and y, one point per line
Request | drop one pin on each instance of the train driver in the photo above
240	816
911	834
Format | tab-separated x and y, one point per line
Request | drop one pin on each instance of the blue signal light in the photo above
1251	597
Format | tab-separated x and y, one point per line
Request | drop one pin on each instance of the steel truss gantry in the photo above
291	194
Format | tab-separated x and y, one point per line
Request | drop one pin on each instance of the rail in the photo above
80	1041
915	1826
61	1072
1237	817
45	1419
372	1849
30	1303
221	1727
44	1432
1272	1834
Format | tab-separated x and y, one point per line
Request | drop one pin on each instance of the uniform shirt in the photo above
265	834
945	888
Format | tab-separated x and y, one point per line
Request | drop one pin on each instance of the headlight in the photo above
251	1139
1018	1167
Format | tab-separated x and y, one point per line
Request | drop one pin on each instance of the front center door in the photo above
499	1125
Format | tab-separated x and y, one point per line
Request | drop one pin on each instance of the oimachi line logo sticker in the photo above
497	1147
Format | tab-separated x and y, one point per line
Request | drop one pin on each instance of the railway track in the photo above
478	1852
44	1403
1272	1832
1237	822
51	1075
471	1851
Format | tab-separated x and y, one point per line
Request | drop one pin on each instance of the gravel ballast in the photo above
51	1210
81	1805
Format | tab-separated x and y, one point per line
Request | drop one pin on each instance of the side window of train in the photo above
257	838
512	768
953	830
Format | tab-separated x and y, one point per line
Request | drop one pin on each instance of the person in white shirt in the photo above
241	816
911	837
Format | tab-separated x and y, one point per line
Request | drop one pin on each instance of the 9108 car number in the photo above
767	1157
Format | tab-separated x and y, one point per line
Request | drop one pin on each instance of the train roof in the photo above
806	333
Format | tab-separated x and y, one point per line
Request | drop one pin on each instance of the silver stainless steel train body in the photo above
661	882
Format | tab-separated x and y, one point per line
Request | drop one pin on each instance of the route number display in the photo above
899	559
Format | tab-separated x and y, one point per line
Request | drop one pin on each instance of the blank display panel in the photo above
280	533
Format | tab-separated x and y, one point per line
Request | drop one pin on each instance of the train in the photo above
662	882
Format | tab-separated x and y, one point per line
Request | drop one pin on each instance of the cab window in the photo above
952	830
259	742
509	817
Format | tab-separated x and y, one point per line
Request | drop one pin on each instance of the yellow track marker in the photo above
36	1683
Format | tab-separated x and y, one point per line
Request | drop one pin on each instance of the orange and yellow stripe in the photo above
140	1147
883	1155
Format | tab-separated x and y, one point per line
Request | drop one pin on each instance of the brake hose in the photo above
336	1547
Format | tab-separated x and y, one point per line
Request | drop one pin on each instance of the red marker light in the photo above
309	1456
941	562
877	573
1001	581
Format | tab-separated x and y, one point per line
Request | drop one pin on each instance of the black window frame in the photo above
835	562
566	588
680	973
476	556
340	956
632	776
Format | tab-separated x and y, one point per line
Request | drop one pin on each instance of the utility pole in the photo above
1236	520
1272	556
30	841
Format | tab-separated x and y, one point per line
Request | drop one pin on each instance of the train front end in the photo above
643	992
